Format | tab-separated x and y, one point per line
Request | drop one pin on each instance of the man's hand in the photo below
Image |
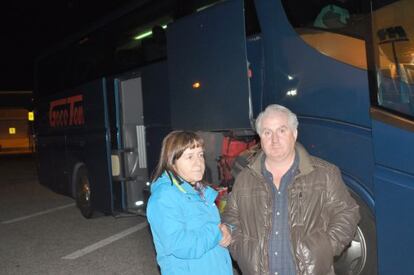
226	240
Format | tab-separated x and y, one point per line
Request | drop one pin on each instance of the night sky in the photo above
30	27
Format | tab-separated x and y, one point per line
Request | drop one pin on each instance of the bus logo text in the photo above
66	112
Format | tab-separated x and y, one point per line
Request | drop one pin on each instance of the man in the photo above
289	212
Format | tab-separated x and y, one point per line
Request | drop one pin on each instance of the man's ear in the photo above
295	134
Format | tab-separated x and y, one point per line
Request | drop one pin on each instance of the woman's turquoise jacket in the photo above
185	230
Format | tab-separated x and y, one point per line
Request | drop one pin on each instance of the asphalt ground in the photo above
42	232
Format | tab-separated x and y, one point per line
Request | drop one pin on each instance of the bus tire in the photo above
83	193
360	258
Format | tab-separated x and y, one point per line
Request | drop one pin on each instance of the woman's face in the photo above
190	166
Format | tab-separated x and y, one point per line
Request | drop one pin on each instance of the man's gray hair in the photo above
277	109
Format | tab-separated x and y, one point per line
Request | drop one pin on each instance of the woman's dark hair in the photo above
173	147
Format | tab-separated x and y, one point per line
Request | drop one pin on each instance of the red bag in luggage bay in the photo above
232	147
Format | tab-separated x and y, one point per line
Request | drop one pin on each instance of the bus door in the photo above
393	139
133	174
393	134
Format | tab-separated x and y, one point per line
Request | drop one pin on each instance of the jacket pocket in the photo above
297	210
249	255
175	266
315	254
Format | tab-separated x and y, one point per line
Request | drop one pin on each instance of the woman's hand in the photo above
226	240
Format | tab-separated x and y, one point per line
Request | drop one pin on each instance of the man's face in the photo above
277	138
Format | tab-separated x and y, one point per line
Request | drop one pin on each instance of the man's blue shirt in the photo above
281	260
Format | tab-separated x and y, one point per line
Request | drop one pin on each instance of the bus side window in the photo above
155	46
251	20
332	17
336	28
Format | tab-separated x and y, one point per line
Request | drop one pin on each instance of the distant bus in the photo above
105	100
16	135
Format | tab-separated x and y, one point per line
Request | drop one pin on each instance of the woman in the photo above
184	220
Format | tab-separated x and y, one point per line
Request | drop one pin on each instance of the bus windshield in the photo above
347	29
393	34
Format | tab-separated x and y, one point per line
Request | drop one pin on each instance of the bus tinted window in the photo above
393	34
130	41
337	28
251	21
84	60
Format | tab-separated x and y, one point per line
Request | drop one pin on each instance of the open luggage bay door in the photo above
208	80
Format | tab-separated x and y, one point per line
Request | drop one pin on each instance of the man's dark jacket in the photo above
323	216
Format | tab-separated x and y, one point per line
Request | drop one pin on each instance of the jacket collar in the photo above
305	164
186	188
209	193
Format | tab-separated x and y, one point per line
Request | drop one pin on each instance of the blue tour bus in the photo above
107	97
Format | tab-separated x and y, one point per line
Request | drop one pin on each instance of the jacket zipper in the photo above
300	206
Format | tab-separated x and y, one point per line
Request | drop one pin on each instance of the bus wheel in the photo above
360	258
83	193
